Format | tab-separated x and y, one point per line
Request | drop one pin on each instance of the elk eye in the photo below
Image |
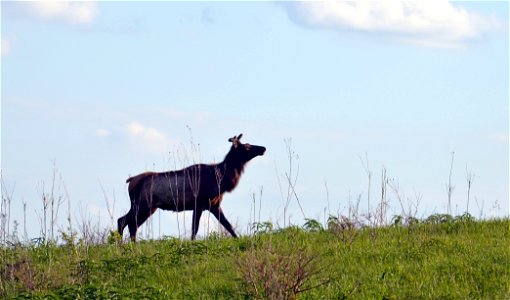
247	146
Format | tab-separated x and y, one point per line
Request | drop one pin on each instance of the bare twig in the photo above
383	205
450	186
25	233
291	186
469	179
366	167
291	179
109	208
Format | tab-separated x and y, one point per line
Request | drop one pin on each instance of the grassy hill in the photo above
440	258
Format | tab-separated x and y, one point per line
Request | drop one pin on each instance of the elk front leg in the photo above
197	213
218	213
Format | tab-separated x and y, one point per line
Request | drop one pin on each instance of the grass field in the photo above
437	258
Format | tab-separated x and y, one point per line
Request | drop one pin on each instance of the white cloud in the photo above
498	137
435	23
71	12
6	46
135	129
148	138
102	133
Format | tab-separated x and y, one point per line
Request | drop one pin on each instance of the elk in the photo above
198	187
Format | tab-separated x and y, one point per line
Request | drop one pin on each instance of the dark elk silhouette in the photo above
198	187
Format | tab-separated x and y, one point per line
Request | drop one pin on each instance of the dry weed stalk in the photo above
366	167
382	209
347	227
469	179
291	179
450	187
273	275
408	215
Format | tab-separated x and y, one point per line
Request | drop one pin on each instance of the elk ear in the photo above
234	140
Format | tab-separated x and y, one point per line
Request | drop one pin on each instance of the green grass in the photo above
454	259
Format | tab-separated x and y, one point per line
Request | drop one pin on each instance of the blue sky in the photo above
107	90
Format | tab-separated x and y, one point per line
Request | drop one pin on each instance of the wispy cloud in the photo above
6	46
208	16
498	137
70	12
102	133
435	23
148	139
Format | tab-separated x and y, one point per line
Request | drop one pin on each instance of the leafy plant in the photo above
312	225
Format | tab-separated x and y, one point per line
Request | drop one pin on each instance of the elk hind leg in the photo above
142	213
122	222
